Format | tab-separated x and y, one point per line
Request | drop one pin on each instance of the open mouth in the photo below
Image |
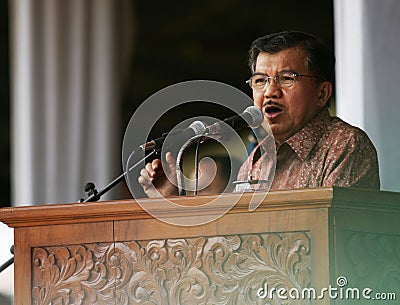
272	111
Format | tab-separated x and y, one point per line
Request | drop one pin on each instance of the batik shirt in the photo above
325	152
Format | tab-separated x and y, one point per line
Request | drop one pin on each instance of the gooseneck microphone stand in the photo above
95	195
179	161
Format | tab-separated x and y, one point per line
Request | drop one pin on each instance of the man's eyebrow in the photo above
281	71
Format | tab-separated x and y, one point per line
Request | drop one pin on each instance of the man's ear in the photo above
325	92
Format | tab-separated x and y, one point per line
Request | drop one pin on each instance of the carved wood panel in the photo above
372	260
203	270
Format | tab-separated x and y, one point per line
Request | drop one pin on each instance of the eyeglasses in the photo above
283	79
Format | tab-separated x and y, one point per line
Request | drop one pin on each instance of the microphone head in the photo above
256	115
198	127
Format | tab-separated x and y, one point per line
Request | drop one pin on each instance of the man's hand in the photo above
153	178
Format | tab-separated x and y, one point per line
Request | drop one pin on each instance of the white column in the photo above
349	61
367	39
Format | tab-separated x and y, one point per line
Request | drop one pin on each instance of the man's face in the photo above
288	109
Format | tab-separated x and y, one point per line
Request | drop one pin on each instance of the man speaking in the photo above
292	75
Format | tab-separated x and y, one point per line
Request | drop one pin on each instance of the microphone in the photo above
195	129
251	117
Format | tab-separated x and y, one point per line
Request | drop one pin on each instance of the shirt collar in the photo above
303	141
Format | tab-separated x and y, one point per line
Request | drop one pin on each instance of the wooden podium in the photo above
116	253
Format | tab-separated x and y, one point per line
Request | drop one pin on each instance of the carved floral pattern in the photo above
202	270
372	260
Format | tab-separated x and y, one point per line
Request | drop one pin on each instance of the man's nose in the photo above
272	89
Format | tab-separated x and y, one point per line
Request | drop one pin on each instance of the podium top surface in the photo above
344	198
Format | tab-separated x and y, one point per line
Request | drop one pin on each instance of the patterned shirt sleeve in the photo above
352	162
